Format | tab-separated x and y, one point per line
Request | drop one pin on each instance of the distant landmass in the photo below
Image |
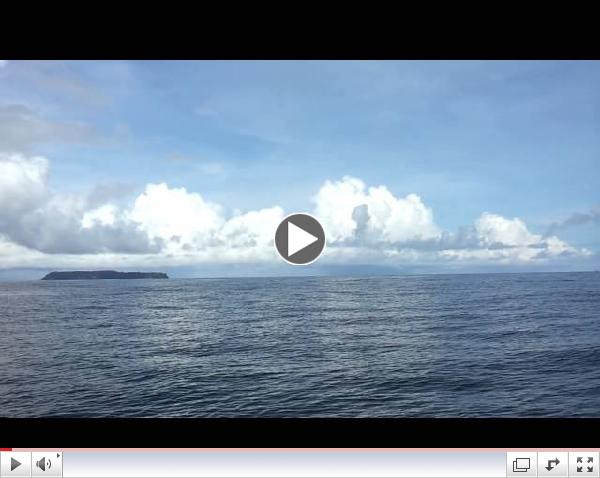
81	275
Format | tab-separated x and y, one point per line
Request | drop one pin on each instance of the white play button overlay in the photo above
299	239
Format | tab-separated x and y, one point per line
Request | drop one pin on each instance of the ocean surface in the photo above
485	345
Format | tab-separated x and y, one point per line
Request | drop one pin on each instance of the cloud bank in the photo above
172	226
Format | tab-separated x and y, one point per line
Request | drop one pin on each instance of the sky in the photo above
189	166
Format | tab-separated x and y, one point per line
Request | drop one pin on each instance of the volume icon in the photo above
43	464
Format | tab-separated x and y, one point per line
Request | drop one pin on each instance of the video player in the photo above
395	247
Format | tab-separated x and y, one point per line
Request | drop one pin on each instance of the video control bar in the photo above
298	463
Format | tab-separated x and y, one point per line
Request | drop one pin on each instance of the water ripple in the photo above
462	345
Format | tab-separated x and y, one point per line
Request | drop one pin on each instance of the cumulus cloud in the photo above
170	222
372	222
352	214
496	238
166	225
176	215
497	232
190	225
33	216
494	230
22	184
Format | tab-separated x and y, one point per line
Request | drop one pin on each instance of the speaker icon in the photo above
43	463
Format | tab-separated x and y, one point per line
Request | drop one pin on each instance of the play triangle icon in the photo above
298	239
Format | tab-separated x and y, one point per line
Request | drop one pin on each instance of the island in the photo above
94	275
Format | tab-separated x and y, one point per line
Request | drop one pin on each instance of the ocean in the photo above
480	345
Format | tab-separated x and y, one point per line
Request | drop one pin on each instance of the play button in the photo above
299	239
15	463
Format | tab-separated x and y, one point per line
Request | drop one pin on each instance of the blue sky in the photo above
514	139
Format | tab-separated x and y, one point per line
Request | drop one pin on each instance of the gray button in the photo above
521	464
583	463
46	463
553	464
16	464
299	239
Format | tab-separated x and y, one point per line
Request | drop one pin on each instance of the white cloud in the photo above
166	226
253	229
493	229
508	241
33	216
193	227
22	183
349	210
104	215
3	63
176	216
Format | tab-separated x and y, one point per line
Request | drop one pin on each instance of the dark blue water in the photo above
447	345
